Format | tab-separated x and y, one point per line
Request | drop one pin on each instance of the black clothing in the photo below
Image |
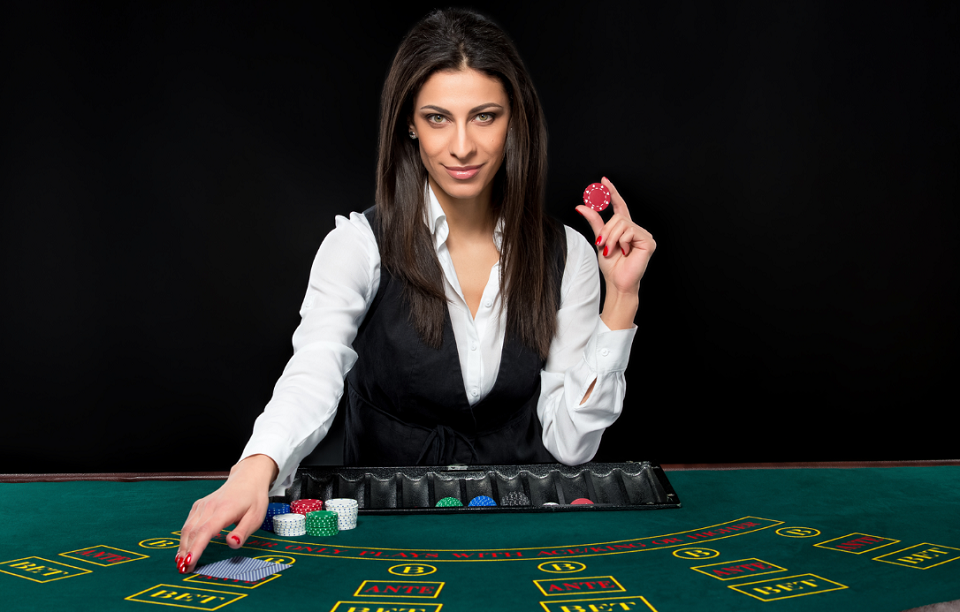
405	402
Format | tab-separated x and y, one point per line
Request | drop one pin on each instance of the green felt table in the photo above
877	539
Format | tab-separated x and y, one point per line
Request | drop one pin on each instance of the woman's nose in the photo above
462	144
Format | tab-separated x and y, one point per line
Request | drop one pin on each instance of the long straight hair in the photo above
450	40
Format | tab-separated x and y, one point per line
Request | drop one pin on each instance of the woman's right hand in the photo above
242	500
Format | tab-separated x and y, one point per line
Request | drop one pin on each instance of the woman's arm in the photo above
343	281
582	384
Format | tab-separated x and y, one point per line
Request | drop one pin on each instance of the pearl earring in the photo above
413	135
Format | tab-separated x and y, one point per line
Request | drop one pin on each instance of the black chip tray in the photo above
416	490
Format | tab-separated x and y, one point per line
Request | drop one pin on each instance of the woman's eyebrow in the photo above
475	109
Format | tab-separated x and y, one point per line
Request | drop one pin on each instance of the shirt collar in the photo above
436	221
435	218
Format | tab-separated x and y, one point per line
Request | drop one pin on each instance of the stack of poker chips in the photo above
273	510
303	506
449	502
482	500
515	498
292	524
322	523
347	510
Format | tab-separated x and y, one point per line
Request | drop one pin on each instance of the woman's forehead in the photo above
461	90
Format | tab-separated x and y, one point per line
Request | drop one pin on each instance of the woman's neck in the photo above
467	218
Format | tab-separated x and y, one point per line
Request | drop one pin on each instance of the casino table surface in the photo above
866	538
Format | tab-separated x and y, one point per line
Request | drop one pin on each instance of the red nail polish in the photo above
624	251
235	539
605	249
599	238
186	561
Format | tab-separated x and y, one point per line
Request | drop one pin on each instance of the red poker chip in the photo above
302	506
596	196
582	500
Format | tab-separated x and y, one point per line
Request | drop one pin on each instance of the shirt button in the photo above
488	304
474	392
473	346
605	352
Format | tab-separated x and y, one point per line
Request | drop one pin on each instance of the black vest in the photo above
405	403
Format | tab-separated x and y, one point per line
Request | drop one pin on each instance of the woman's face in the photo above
461	120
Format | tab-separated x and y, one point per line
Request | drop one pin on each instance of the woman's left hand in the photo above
624	247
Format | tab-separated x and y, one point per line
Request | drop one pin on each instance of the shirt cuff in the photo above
273	449
286	456
609	350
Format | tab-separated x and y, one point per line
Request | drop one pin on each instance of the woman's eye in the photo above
484	117
435	118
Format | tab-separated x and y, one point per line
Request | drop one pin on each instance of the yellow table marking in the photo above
922	556
181	596
787	587
561	567
38	569
606	604
412	569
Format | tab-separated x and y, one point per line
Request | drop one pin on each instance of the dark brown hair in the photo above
454	39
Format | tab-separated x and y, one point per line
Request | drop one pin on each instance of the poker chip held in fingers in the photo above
596	196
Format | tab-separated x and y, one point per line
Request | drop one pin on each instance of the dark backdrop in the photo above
169	170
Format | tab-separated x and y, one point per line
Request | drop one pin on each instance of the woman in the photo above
458	322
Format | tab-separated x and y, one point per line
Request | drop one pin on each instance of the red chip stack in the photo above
303	506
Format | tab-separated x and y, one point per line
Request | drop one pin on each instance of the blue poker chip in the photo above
482	500
274	509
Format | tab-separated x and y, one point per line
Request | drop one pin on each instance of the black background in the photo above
169	170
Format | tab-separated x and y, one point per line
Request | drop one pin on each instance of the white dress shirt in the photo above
343	282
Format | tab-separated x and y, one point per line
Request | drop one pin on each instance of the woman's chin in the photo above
457	189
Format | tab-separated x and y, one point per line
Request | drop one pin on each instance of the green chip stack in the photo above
322	523
449	502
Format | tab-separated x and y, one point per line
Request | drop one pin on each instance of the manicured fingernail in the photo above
599	238
189	558
579	211
605	250
235	539
624	251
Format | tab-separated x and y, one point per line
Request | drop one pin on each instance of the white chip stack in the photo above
290	525
347	510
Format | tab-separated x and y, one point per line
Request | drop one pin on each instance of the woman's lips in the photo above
463	172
